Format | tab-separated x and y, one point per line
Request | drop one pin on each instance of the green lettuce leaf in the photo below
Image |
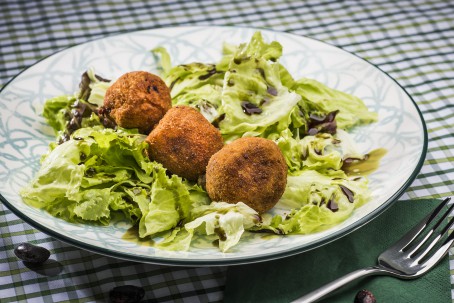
318	201
92	88
321	98
98	91
321	152
254	100
164	61
66	114
56	112
169	203
101	170
59	176
224	220
197	85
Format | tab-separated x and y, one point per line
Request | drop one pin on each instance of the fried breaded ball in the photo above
183	141
137	100
249	170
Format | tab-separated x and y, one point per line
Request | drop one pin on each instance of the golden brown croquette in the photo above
183	141
249	170
137	100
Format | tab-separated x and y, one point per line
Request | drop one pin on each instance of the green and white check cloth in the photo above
413	41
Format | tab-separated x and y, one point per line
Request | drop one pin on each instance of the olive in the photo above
31	253
126	294
364	296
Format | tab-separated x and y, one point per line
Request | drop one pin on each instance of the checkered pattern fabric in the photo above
411	40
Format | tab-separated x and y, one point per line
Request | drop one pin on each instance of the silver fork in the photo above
408	258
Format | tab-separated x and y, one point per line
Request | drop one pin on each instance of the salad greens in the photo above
95	170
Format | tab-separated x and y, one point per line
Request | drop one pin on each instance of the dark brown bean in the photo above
31	253
365	296
126	294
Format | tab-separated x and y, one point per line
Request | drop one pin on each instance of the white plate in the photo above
24	135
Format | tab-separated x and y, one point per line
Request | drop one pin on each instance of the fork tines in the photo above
419	249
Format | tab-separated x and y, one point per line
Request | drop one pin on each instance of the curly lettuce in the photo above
254	100
100	171
227	222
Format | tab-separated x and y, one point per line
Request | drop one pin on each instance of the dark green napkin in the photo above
289	278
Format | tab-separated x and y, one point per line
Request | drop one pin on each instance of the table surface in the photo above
411	40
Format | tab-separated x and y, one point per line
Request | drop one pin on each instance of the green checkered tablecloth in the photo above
411	40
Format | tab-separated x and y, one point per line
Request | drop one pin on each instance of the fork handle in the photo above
332	286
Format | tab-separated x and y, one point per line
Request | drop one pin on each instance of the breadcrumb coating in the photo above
183	141
137	100
249	170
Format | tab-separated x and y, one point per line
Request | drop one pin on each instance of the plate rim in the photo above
245	259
